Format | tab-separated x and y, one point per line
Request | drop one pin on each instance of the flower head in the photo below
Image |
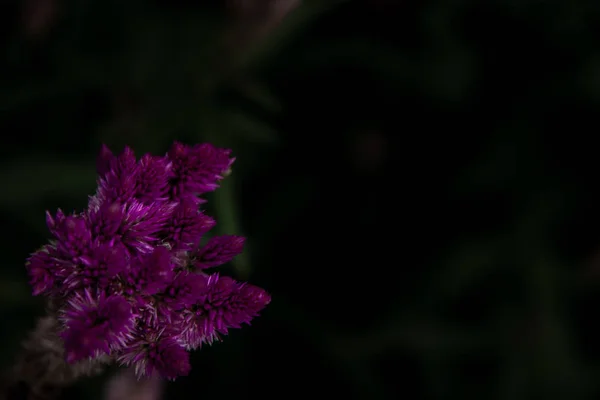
117	175
95	324
219	304
197	169
97	268
44	267
219	250
127	272
153	178
187	226
73	235
158	352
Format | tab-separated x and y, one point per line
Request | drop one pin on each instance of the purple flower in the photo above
97	269
219	305
197	169
96	324
54	222
153	179
182	291
156	352
127	272
187	226
106	220
219	250
73	235
118	175
103	161
159	271
132	223
44	269
142	224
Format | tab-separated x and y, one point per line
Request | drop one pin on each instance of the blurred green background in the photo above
417	180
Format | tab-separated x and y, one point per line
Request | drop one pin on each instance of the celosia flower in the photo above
187	226
96	324
155	351
218	250
197	169
43	268
129	271
97	268
219	304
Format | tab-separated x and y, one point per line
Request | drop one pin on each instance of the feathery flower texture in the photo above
131	273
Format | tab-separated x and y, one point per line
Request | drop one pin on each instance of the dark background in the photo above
417	180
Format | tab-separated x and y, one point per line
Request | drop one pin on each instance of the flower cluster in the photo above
131	272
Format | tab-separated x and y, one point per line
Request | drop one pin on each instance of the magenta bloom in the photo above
219	304
218	251
129	271
157	352
96	324
197	169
